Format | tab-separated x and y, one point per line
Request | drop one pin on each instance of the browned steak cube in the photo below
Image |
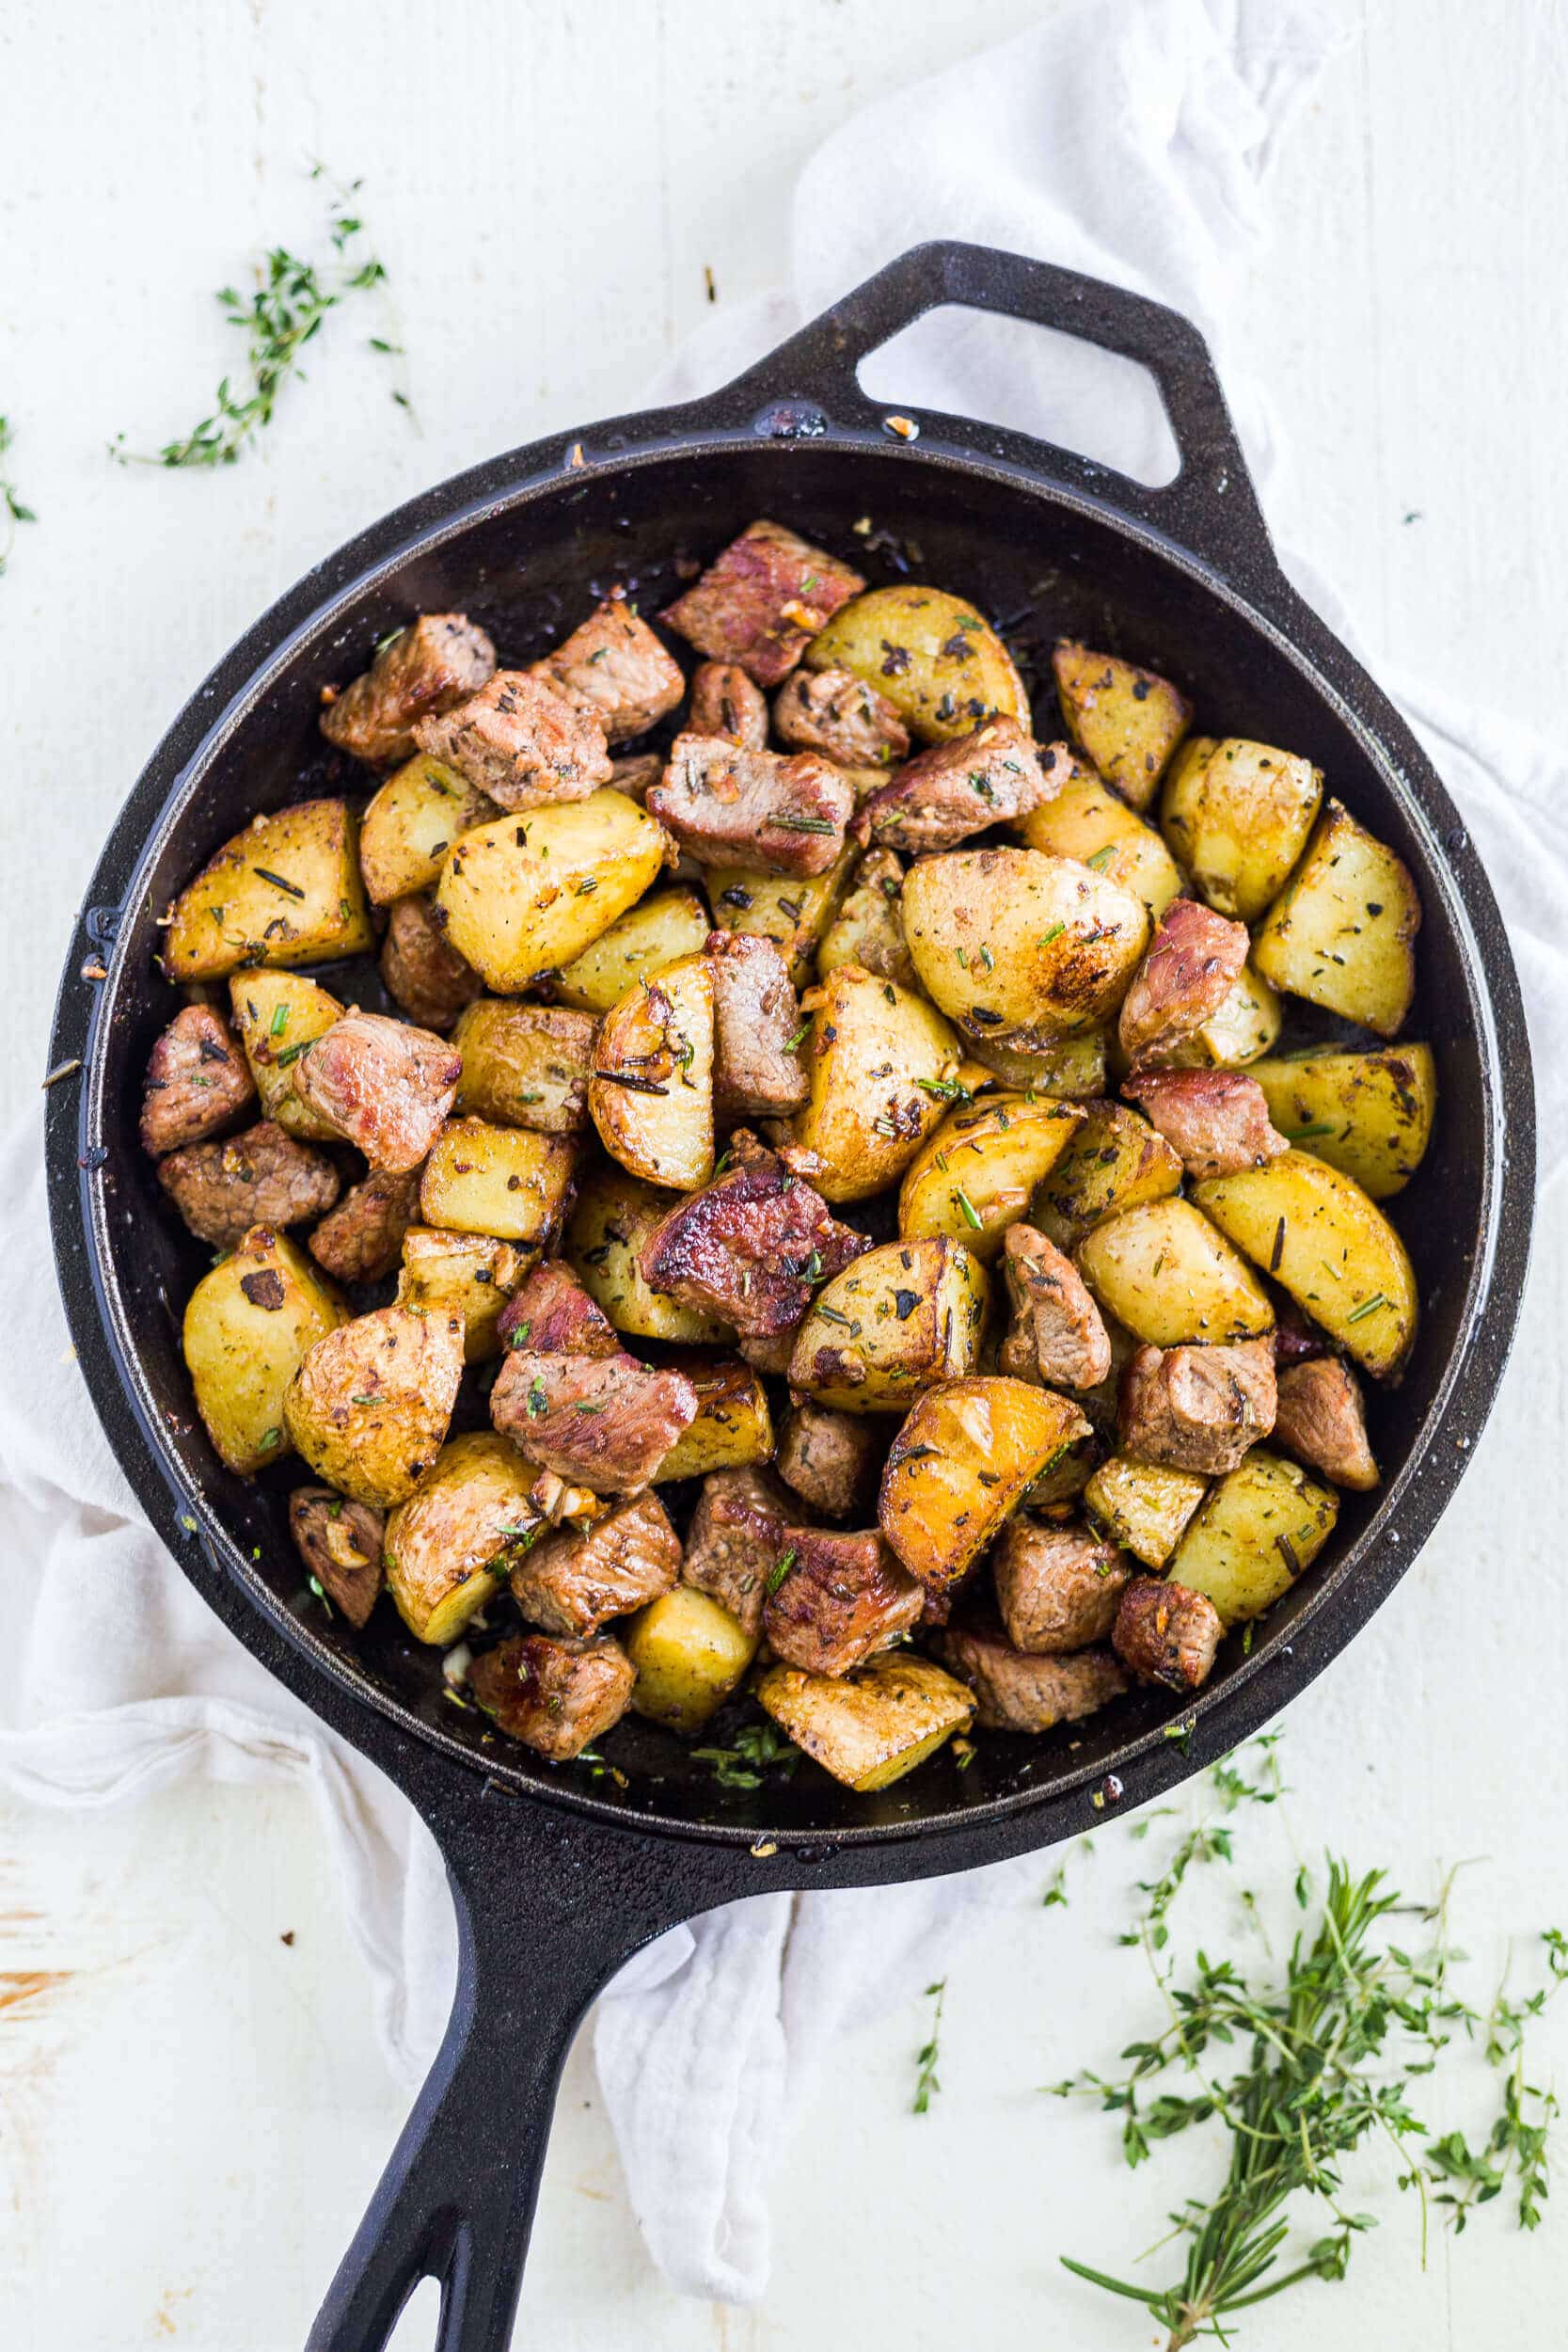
1217	1119
606	1421
730	808
428	979
1057	1587
762	601
577	1580
1192	965
262	1177
436	662
749	1247
521	742
1166	1633
954	789
553	1315
615	668
197	1082
383	1085
724	703
363	1238
842	1597
340	1543
634	775
1197	1409
557	1697
736	1540
831	1460
1320	1419
1017	1691
833	712
1058	1337
756	1016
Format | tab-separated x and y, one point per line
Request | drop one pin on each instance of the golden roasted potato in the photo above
276	1015
504	1181
1144	1506
411	824
689	1654
1126	721
1343	931
248	1327
895	1321
471	1272
665	929
1165	1273
734	1426
871	1728
614	1214
1259	1528
527	893
525	1065
1368	1115
976	1175
453	1544
868	929
1320	1236
369	1404
966	1455
1115	1161
285	890
651	1094
1094	825
940	664
1245	1026
1072	1066
1237	815
792	912
1012	939
876	1059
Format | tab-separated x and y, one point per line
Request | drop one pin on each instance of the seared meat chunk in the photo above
363	1238
575	1581
740	1248
615	668
724	703
262	1177
954	789
1057	1587
833	712
842	1597
422	973
382	1084
736	1540
730	808
436	662
1167	1633
340	1543
832	1459
633	776
1017	1691
1296	1337
1058	1337
1192	963
1197	1409
762	601
1218	1119
197	1082
556	1697
1321	1421
521	742
756	1014
606	1421
553	1315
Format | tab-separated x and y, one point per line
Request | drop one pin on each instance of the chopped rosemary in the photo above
801	824
1366	1306
971	1214
779	1569
758	1747
926	2080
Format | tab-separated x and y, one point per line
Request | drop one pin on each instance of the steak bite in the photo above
1217	1119
553	1315
422	972
954	789
733	807
575	1581
749	1247
737	1539
363	1238
556	1697
831	1460
606	1421
634	775
833	712
1058	1337
437	661
1057	1587
724	703
340	1543
1192	963
1321	1421
521	741
197	1082
1197	1409
262	1177
1167	1633
842	1597
381	1084
614	670
762	601
757	1015
1017	1691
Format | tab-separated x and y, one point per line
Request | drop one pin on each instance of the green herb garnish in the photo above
926	2056
12	511
779	1569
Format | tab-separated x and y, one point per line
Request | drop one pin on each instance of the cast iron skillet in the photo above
559	1873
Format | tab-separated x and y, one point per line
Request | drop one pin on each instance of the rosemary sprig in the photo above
926	2081
12	510
758	1747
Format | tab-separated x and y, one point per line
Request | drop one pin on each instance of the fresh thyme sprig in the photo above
926	2081
12	511
758	1747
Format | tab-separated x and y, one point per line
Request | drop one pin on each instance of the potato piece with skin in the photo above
1368	1115
411	824
969	1450
929	654
248	1327
1343	931
525	1065
369	1404
1233	1038
1127	721
527	894
276	1015
1116	1161
472	1273
873	1726
874	1056
1237	815
1143	1507
659	931
613	1217
1258	1530
976	1174
900	1318
689	1654
794	915
1322	1239
734	1426
450	1547
1071	1068
504	1181
1012	939
285	890
651	1094
1172	1278
1085	820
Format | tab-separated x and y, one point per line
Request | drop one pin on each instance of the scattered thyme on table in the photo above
12	511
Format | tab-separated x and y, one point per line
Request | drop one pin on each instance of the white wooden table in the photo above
192	2105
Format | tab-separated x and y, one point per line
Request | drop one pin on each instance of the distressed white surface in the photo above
192	2115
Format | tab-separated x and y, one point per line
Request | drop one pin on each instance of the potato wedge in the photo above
525	894
1166	1273
1126	721
875	1055
1320	1237
794	913
651	1092
248	1327
897	1320
976	1174
1143	1506
689	1654
411	824
504	1181
1087	821
1012	939
1368	1115
1115	1161
369	1404
1071	1068
936	659
965	1455
471	1272
451	1546
1245	1026
525	1065
660	929
286	890
1343	931
1237	815
614	1214
734	1426
871	1728
1259	1528
276	1015
868	929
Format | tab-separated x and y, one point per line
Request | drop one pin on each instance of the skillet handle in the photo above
1211	508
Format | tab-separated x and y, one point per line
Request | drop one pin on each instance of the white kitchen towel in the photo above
1129	138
